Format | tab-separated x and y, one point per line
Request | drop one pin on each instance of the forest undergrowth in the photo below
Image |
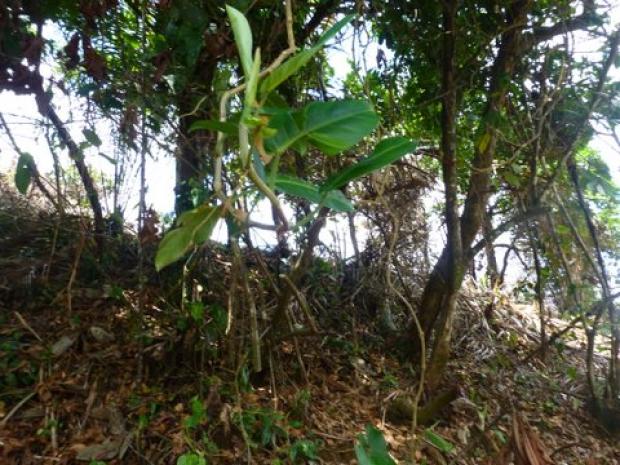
99	368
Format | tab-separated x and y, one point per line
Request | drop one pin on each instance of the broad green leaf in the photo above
243	38
378	447
92	137
23	172
226	127
284	71
337	201
362	456
299	60
438	441
287	132
195	227
371	448
201	221
300	188
335	126
386	152
374	439
330	126
173	246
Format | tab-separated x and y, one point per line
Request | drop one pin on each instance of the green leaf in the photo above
172	247
91	137
197	311
371	448
438	441
337	201
335	126
299	60
300	188
23	172
195	227
201	221
378	446
287	132
362	456
512	179
330	126
226	127
252	84
191	459
243	38
387	151
284	71
331	32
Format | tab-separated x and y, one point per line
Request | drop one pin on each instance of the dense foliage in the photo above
489	106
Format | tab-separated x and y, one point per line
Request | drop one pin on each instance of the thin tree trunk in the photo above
446	279
614	317
298	271
78	159
492	268
539	288
454	250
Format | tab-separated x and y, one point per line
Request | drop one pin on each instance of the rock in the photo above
104	451
101	335
62	345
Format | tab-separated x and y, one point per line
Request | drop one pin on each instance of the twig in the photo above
302	302
28	327
74	268
14	410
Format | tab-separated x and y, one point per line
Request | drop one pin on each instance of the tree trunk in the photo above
190	158
78	159
492	268
439	296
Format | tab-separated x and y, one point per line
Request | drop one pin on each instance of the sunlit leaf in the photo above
300	188
173	246
438	441
335	126
191	459
330	126
243	38
226	127
337	201
386	152
371	448
195	227
299	60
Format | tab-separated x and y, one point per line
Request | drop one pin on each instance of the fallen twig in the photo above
14	410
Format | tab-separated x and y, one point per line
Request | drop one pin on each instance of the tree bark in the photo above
439	296
453	251
190	156
78	159
489	249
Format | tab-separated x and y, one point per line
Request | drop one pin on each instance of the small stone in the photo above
62	345
101	335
